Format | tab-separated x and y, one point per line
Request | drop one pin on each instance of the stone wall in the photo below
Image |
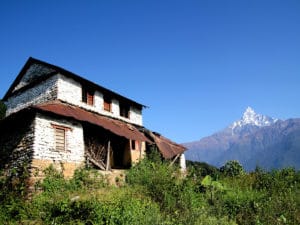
28	142
45	153
44	144
34	71
65	89
16	144
43	92
136	115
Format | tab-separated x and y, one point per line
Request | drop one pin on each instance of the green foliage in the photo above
156	193
232	168
83	179
13	184
212	187
53	181
2	110
155	178
201	169
117	207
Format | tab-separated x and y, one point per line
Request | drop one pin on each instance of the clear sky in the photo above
196	64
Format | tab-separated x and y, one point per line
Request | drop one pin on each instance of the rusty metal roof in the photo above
168	148
115	126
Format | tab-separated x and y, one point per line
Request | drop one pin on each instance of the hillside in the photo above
155	193
254	140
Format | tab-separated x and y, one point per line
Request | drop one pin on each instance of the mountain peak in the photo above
250	117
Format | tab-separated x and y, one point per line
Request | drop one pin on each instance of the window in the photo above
107	104
87	96
60	139
124	110
133	146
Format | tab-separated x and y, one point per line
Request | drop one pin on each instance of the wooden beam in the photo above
99	164
174	160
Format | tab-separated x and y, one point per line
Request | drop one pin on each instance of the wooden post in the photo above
108	157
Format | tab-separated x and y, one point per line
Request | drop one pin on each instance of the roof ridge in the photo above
65	72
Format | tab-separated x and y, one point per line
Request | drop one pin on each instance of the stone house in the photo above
56	117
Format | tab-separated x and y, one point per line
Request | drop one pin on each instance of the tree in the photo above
232	168
2	110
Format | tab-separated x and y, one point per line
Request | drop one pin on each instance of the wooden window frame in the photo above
64	129
107	104
88	96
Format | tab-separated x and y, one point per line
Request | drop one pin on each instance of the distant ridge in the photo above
254	140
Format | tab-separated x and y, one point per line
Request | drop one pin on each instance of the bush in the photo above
156	193
176	196
232	168
201	169
116	206
158	179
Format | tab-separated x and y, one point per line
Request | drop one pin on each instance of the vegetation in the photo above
155	193
232	168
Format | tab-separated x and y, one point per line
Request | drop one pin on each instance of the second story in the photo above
39	82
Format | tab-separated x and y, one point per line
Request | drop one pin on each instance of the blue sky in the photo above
196	64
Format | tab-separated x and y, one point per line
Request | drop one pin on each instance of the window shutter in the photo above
107	104
87	96
60	139
90	99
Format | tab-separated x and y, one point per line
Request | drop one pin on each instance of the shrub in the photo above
157	178
53	181
114	206
232	168
176	196
88	179
201	169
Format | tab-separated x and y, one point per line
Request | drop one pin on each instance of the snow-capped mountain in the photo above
250	117
254	140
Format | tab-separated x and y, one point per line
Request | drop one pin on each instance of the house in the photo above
56	117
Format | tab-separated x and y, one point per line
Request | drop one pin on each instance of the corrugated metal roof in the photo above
168	148
113	125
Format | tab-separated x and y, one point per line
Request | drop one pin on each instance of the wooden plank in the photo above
99	164
174	160
60	139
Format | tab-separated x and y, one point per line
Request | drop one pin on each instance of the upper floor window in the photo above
124	110
88	96
107	104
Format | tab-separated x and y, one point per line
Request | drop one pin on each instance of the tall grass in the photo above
156	193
